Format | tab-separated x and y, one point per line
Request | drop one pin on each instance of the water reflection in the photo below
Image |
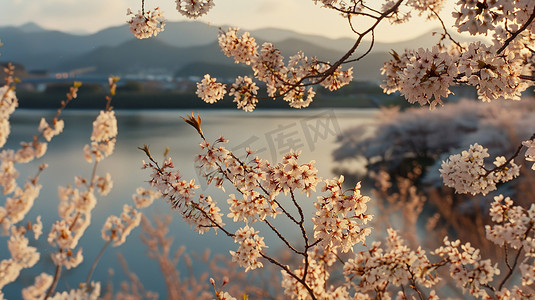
270	132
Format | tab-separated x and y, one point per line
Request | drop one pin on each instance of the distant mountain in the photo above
189	33
291	46
31	27
115	50
47	48
138	55
153	54
426	40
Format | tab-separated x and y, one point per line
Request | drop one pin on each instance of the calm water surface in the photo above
271	133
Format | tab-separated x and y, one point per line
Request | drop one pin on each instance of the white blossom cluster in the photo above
103	137
18	204
480	17
244	48
495	70
146	24
218	163
49	132
397	265
282	80
317	276
201	213
466	172
144	197
22	256
469	271
194	8
20	198
39	288
426	76
244	91
252	207
251	245
513	227
116	229
91	292
339	218
209	90
66	239
8	103
288	175
494	76
530	152
74	209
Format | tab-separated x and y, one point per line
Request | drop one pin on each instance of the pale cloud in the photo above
276	7
65	14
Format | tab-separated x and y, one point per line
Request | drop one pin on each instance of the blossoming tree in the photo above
501	69
263	192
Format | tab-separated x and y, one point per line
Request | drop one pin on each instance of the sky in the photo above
303	16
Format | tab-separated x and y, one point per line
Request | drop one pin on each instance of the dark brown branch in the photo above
93	267
511	269
54	283
446	33
413	283
372	43
314	79
194	205
355	45
303	232
527	77
517	152
353	11
283	238
287	270
516	33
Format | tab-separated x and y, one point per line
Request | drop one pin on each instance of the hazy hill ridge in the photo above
181	44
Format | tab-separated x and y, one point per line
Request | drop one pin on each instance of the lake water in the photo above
271	132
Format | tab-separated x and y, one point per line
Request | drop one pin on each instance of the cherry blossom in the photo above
194	8
117	229
250	249
209	90
339	219
146	24
466	172
244	91
530	152
144	197
39	288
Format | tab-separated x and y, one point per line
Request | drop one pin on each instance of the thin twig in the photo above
54	283
287	270
517	152
516	258
94	265
446	33
516	33
283	238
